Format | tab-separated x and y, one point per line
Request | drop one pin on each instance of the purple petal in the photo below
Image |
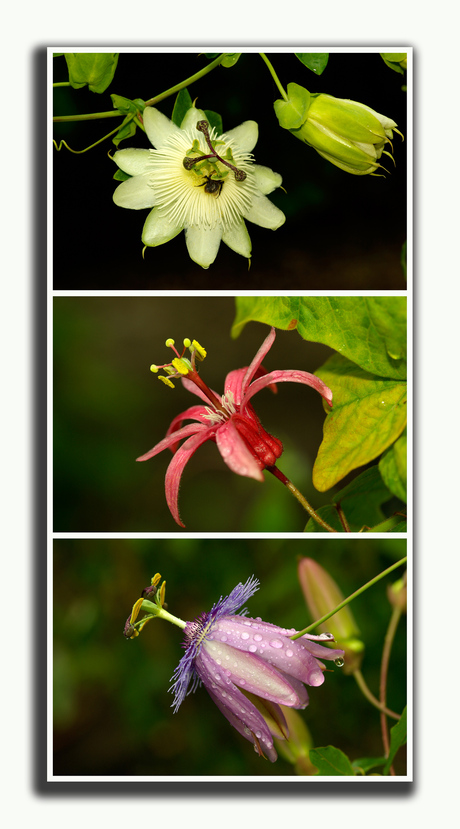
176	467
247	670
236	454
190	429
287	655
235	706
288	376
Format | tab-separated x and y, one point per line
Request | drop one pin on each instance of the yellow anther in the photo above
169	342
155	580
162	593
135	611
154	368
199	350
166	381
181	366
134	634
187	342
144	622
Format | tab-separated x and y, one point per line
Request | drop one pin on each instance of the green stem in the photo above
187	82
351	597
387	645
78	152
301	498
62	83
161	613
90	116
274	75
370	696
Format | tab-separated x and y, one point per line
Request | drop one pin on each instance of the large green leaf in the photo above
368	415
93	68
316	61
370	331
398	737
393	467
330	761
360	502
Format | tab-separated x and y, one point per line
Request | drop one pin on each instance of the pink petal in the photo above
190	429
176	467
236	454
263	350
234	384
289	376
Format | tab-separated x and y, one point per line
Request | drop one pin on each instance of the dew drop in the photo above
245	635
339	661
257	637
253	648
242	682
223	638
276	643
258	734
289	652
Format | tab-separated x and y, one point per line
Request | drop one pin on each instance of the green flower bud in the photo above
397	593
348	134
296	749
321	595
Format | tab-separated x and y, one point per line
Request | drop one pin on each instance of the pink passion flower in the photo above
250	668
228	420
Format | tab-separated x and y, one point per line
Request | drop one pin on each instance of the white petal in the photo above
192	116
266	179
238	239
262	212
202	245
135	193
158	127
245	135
158	229
134	162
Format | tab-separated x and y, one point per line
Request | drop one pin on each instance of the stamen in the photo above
203	126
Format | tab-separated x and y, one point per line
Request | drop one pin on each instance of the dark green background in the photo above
343	232
112	712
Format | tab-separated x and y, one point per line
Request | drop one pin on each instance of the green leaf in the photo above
330	761
365	764
398	737
370	331
214	120
316	61
393	467
127	105
91	68
182	104
120	175
392	59
230	59
368	415
292	113
360	502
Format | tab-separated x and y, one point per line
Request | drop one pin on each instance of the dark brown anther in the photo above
240	175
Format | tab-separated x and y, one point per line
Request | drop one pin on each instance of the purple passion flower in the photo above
250	668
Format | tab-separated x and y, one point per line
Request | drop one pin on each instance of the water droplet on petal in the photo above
245	635
257	637
276	643
289	652
253	648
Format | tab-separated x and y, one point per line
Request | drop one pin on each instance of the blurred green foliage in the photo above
112	712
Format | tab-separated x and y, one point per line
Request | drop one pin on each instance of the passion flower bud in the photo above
296	749
322	595
348	134
397	593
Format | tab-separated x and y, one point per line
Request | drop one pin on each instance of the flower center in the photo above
213	191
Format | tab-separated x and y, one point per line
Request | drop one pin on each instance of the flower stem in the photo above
187	82
274	75
301	499
161	613
370	696
78	152
387	645
90	116
351	597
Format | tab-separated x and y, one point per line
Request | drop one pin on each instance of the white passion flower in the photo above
198	181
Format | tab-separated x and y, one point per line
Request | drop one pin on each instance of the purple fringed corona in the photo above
250	667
